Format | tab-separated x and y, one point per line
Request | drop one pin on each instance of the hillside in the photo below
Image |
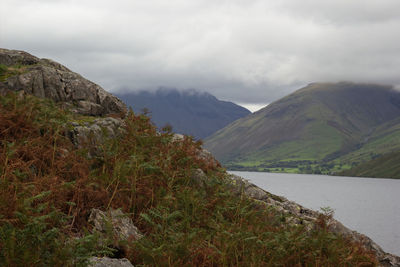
79	189
324	125
188	112
386	166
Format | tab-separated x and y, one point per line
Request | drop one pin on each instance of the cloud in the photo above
342	12
243	51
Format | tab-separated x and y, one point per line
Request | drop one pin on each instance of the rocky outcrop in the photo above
302	215
48	79
120	224
207	156
15	57
201	153
198	177
109	262
119	227
91	134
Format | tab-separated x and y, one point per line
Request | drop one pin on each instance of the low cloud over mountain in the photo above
242	51
188	112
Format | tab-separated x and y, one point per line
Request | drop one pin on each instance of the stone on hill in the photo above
92	134
198	177
109	262
48	79
15	57
121	225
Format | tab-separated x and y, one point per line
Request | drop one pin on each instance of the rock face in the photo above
108	262
48	79
121	225
307	217
92	134
198	177
122	230
200	153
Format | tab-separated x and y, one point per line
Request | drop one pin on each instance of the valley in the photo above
322	128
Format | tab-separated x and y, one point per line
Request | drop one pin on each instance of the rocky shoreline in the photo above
302	215
298	214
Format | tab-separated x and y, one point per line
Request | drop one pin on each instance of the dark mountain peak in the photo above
186	93
166	91
190	111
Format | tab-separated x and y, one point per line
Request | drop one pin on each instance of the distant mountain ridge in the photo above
323	125
191	112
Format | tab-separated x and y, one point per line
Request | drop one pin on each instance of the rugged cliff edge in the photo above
75	188
46	78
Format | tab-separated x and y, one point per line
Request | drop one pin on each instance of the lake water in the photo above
368	205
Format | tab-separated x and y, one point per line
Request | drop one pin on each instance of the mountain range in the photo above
323	127
190	112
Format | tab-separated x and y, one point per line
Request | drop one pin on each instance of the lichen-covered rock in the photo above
207	156
240	185
121	225
109	262
177	137
198	177
46	78
15	57
92	133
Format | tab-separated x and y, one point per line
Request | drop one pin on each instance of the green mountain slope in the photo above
384	139
312	127
386	166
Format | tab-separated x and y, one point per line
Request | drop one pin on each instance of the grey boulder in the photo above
121	225
109	262
48	79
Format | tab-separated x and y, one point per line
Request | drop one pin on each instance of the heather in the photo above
49	185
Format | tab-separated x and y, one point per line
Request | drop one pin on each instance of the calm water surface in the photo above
367	205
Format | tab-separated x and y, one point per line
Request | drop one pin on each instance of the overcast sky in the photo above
243	51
